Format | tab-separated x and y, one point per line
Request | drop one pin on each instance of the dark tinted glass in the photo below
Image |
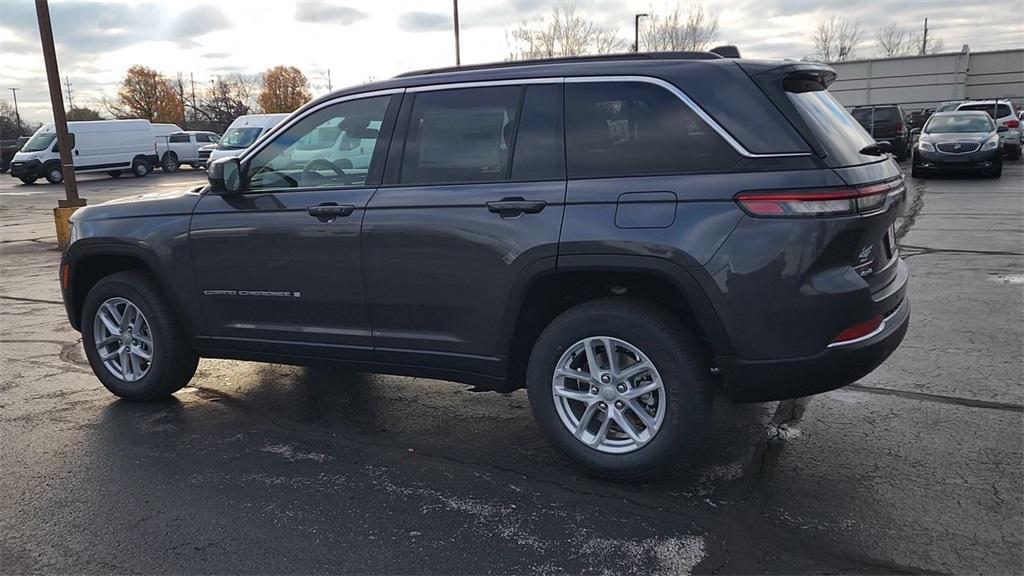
840	134
540	152
887	115
632	128
178	138
1001	111
204	138
461	135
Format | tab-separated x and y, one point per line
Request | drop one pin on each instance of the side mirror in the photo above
225	175
884	147
1002	129
915	131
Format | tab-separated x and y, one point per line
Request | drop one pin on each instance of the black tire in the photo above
54	174
141	167
1014	153
678	357
996	172
115	173
28	179
173	361
916	172
170	163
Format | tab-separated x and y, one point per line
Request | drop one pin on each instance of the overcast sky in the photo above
97	40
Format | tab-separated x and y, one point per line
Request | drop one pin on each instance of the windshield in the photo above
39	141
958	124
238	138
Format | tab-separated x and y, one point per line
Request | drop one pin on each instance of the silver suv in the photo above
1004	114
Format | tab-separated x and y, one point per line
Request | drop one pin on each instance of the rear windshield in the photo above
958	124
887	115
991	109
837	131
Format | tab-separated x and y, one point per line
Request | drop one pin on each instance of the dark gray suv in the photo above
619	235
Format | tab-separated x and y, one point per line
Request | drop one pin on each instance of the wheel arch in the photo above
88	264
538	299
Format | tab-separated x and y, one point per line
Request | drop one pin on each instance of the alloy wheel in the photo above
123	339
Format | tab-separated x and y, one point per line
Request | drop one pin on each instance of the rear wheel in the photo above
170	162
133	341
54	174
141	167
620	387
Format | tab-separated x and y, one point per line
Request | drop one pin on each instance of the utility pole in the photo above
17	117
181	98
65	208
329	87
636	31
924	38
455	13
67	83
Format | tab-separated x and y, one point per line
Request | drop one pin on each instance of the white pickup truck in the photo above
183	148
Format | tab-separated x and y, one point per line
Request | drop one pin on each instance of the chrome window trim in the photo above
671	88
287	123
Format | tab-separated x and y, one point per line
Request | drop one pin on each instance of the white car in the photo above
1003	113
242	133
183	148
111	146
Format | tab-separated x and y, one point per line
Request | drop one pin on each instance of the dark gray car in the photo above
959	142
620	235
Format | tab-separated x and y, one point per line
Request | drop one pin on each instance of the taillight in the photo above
858	331
65	276
899	129
1012	123
821	202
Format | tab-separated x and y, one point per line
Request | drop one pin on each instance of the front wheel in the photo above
54	174
620	387
28	179
133	341
114	173
1013	153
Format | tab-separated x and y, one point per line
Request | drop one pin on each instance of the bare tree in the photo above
563	33
689	29
935	44
836	39
891	40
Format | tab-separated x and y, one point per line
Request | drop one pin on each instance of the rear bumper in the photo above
764	380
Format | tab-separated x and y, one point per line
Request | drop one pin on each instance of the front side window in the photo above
632	129
463	135
332	147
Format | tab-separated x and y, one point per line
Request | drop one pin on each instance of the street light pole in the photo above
17	117
65	207
455	14
636	31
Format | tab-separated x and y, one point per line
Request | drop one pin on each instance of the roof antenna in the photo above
726	51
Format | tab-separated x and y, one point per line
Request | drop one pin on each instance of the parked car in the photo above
242	133
1004	115
885	123
918	118
111	146
949	106
964	141
611	233
8	148
183	147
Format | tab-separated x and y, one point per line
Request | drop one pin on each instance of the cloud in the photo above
315	12
425	22
19	47
215	55
195	22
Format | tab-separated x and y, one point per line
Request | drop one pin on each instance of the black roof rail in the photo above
571	59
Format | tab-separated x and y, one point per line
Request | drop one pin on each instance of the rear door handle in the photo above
330	211
511	207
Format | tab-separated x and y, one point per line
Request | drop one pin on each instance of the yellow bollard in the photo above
62	222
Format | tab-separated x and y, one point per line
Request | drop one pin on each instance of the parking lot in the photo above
270	469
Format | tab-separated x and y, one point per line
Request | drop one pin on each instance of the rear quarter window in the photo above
634	129
992	110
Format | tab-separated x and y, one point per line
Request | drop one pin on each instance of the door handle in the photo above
330	211
511	207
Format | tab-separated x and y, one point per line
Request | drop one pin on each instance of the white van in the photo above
111	146
243	132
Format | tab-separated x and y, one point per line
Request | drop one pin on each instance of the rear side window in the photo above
632	129
463	135
178	138
995	112
887	115
837	131
863	115
540	151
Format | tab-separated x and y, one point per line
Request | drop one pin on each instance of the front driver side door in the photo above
278	267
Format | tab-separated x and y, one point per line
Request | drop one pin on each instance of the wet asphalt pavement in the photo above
275	469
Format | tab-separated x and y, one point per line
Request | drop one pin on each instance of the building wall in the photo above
917	82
